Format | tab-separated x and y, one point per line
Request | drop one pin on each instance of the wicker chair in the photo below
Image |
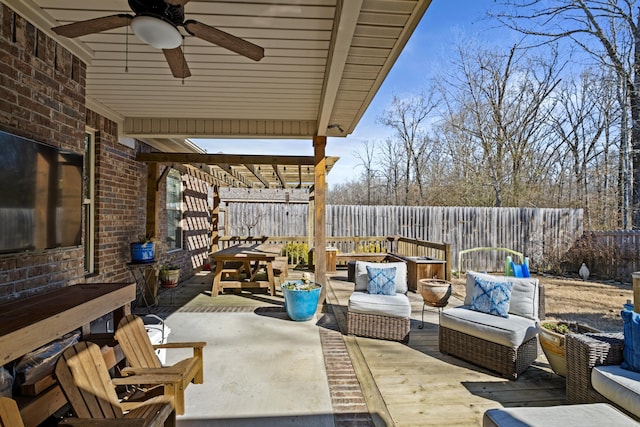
379	316
457	335
592	350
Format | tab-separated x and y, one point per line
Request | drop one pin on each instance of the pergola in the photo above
324	61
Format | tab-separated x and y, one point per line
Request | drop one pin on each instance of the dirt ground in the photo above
596	304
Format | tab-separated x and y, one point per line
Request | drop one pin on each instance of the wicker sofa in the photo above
379	316
504	345
594	373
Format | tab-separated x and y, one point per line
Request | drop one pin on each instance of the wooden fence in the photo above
541	234
608	254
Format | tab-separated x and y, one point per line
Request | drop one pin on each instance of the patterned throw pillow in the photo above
631	329
382	281
491	297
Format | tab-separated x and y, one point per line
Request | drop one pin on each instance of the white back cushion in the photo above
401	274
524	295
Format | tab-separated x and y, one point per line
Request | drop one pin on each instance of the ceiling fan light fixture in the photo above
156	32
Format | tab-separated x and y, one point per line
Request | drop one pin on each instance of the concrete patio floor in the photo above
262	369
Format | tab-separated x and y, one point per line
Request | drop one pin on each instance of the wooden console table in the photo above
29	323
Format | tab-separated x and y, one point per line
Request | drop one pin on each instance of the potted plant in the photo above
552	341
143	250
169	275
301	298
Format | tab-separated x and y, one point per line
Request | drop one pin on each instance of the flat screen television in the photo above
40	195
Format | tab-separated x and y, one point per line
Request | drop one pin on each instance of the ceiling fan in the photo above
156	23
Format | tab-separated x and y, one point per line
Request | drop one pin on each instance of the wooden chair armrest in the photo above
199	344
144	377
95	422
169	370
583	353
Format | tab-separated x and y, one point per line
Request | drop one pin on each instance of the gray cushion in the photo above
397	305
620	386
401	274
595	414
509	332
524	295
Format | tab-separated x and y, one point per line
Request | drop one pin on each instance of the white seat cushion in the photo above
362	278
620	386
509	332
595	414
397	305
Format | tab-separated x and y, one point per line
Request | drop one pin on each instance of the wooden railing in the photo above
296	248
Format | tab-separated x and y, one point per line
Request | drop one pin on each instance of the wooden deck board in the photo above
422	387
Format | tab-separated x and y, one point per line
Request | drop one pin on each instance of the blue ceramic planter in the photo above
143	252
301	305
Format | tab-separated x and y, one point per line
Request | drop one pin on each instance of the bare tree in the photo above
579	124
507	102
366	155
407	118
609	31
389	161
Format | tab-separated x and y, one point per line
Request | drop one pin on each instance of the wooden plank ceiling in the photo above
324	61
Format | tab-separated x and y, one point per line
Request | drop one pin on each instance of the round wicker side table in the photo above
435	293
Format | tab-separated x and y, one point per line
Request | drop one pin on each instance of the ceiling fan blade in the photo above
177	2
177	63
224	40
90	26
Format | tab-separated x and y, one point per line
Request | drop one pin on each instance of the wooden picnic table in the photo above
250	258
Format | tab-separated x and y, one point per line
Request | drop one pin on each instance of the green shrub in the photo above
371	247
296	253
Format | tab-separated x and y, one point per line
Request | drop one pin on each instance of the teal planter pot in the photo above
301	304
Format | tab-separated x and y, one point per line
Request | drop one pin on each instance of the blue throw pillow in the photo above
631	352
491	297
381	281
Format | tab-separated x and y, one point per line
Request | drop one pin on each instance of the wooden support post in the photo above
320	232
215	219
152	200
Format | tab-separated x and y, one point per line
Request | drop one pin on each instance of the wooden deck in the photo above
416	385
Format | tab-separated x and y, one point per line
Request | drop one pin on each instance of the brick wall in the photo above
120	194
42	91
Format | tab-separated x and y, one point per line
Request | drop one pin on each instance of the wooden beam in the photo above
164	174
320	229
232	159
252	168
345	21
281	178
234	174
152	200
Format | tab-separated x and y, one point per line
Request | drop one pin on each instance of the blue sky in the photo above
443	23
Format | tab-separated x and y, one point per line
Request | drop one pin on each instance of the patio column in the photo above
320	229
215	219
152	200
